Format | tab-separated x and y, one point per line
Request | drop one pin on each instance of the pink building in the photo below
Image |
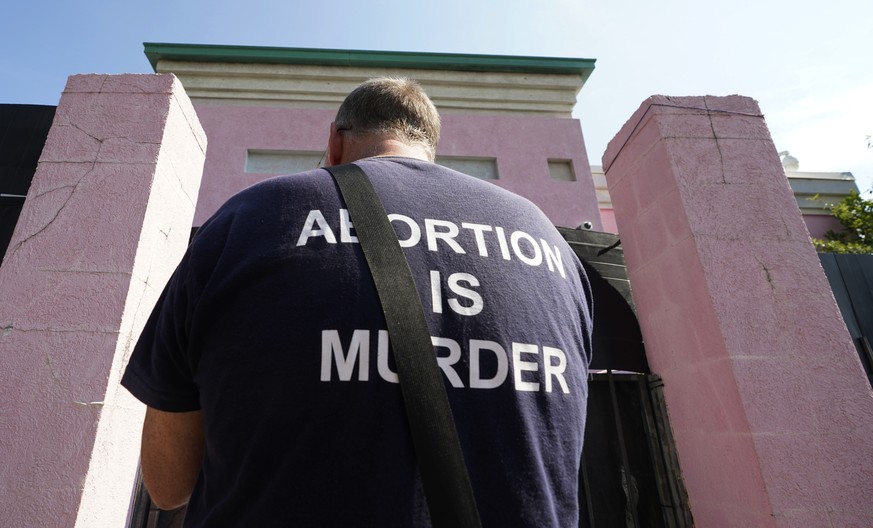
748	405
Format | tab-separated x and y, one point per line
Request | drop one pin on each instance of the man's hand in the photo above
172	452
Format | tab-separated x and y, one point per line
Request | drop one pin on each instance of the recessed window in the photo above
562	170
482	168
281	161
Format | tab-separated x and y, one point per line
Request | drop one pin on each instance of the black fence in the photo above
851	278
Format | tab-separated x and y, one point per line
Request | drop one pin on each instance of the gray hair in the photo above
395	106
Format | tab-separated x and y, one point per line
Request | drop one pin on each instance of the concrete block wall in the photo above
106	219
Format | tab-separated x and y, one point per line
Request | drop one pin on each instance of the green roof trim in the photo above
367	59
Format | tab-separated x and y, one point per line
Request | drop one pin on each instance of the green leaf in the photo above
856	216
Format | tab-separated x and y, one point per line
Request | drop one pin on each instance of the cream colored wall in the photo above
324	87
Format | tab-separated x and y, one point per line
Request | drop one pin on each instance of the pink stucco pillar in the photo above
107	217
772	414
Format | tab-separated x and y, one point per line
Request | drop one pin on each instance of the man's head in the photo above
382	112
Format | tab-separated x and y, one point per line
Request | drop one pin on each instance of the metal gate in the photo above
630	473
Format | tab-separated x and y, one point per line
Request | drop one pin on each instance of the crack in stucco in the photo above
197	139
133	88
40	195
714	135
785	226
128	339
18	246
73	188
63	330
188	122
767	275
101	141
88	272
181	184
51	369
95	138
7	330
643	117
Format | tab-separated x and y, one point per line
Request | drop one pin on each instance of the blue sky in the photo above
810	65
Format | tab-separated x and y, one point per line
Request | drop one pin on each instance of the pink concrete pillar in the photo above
106	219
772	414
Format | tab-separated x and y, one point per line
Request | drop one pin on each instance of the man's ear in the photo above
334	146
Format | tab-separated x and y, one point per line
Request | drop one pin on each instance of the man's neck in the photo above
382	148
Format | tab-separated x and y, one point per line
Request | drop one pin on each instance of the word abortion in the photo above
444	235
534	368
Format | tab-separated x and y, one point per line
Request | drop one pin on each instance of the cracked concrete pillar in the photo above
771	410
106	219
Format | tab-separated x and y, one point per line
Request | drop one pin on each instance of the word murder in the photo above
534	368
443	234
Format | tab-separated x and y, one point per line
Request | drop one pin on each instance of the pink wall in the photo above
607	216
818	225
522	146
772	414
105	221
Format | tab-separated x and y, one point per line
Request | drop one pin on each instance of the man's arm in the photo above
172	453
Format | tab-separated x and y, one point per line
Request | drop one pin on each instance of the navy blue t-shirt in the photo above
272	327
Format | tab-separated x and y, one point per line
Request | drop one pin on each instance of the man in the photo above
273	399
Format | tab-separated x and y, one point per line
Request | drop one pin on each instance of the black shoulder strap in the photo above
438	450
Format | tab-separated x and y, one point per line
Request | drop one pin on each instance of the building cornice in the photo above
156	52
318	78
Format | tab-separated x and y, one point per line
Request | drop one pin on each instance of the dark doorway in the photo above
630	474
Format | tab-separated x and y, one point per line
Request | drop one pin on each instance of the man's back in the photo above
276	332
